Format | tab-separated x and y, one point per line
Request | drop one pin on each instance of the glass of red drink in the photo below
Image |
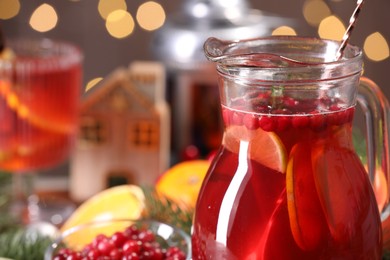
286	182
40	84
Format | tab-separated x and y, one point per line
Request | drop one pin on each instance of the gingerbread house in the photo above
124	131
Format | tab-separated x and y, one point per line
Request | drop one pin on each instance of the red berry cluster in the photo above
274	122
282	113
132	244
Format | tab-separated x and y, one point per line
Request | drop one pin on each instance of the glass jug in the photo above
286	182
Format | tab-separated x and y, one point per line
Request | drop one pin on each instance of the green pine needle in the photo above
19	245
165	210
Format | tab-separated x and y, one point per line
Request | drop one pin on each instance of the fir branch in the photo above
163	209
20	245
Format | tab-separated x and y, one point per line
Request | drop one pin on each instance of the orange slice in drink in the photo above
264	147
34	112
307	221
345	193
182	182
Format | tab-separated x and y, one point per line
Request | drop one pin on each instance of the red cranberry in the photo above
115	254
118	239
131	246
283	123
105	247
236	118
226	116
146	236
267	123
251	121
65	251
131	232
318	121
132	256
300	121
73	256
98	239
175	253
93	253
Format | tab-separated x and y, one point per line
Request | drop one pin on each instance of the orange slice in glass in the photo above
264	147
36	111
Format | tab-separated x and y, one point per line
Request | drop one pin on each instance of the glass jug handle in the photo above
376	111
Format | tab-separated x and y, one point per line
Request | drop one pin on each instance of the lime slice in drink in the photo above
264	147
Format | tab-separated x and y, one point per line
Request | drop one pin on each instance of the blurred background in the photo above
113	33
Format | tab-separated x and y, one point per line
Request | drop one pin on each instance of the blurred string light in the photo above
331	28
92	83
119	24
314	11
150	16
105	7
9	9
44	18
318	14
284	30
376	47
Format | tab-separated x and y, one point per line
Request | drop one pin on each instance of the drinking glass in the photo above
40	83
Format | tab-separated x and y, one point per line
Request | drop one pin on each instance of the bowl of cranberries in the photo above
121	240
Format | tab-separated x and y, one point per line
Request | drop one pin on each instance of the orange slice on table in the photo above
182	182
264	147
119	202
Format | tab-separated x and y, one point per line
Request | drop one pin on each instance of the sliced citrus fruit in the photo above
264	147
38	113
345	194
307	221
119	202
182	182
380	187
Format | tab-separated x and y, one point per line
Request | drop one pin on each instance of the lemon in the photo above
119	202
182	182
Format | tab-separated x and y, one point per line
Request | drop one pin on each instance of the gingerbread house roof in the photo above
120	78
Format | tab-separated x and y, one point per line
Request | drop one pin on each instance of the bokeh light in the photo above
314	11
92	83
105	7
150	16
44	18
119	24
9	9
284	30
331	28
376	47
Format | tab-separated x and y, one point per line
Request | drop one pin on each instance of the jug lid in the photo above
179	43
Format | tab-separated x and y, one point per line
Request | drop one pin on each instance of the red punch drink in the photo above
290	181
286	182
39	99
